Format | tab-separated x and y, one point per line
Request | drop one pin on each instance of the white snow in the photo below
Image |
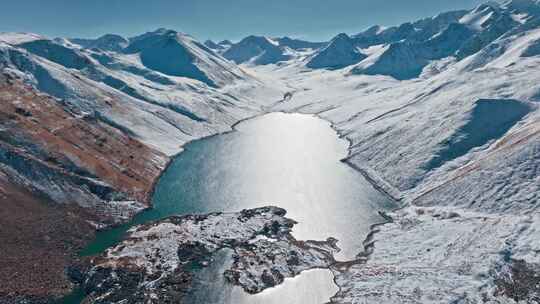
473	212
18	38
339	53
478	17
163	111
396	128
160	250
435	256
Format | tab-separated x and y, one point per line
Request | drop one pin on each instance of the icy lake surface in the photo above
286	160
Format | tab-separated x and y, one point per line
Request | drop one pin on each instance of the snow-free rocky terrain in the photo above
441	113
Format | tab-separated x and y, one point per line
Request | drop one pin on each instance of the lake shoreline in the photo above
186	147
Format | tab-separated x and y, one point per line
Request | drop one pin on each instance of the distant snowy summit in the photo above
165	51
339	53
257	50
108	42
402	52
261	50
219	46
157	85
171	53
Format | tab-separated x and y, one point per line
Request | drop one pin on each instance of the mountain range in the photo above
442	114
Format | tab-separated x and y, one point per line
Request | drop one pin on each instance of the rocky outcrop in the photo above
266	262
153	264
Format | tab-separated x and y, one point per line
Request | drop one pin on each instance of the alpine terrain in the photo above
442	116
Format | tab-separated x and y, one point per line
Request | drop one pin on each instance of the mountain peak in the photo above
341	36
160	32
339	53
15	38
487	7
531	7
107	42
491	4
260	39
178	54
342	40
256	49
374	30
163	31
298	44
212	45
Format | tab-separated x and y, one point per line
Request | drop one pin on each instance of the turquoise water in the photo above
287	160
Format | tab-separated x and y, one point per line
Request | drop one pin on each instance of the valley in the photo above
438	116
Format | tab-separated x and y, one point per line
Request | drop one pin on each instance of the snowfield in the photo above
445	255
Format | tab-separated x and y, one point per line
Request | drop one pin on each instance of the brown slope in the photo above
59	171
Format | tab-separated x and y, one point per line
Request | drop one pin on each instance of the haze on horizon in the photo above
308	19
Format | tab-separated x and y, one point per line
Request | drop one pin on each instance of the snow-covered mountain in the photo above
109	42
411	31
170	53
257	50
339	53
218	47
401	51
162	71
457	34
442	114
299	44
405	59
177	54
173	107
90	125
214	46
163	88
456	139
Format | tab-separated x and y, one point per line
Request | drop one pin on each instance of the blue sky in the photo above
216	19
